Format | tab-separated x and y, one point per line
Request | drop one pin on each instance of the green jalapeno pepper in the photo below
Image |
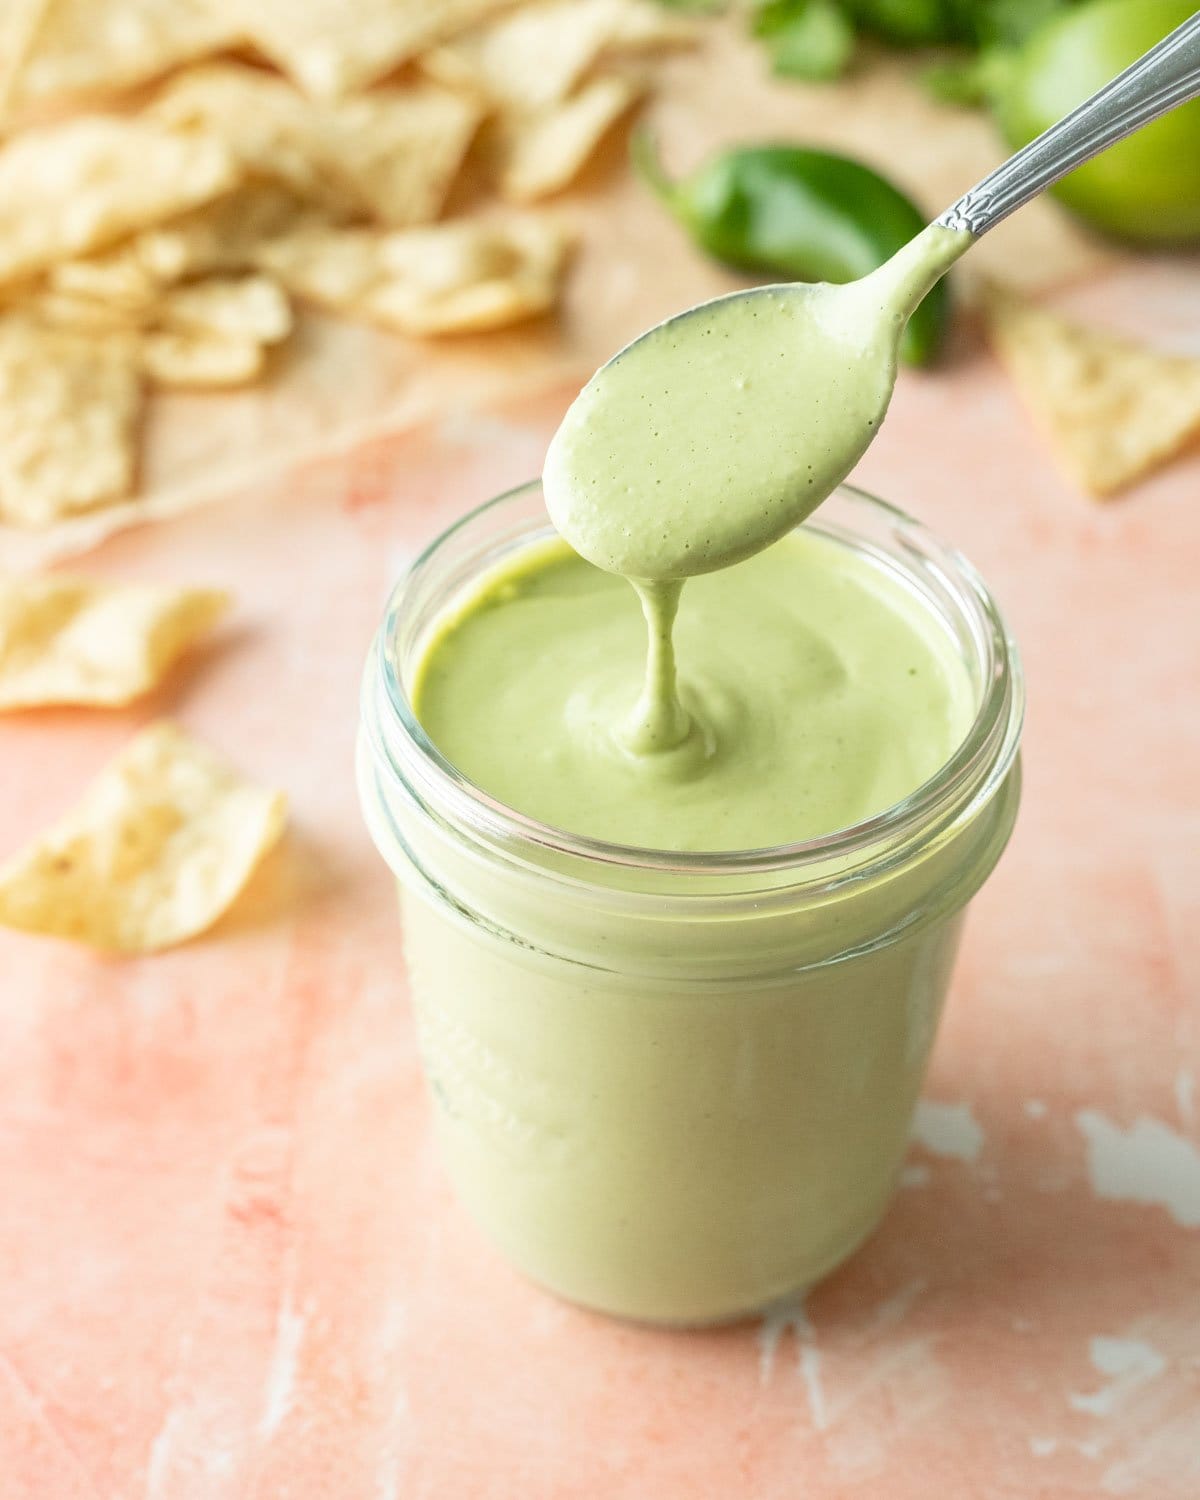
801	214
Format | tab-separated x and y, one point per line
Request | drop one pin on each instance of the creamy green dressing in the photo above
811	694
719	431
818	692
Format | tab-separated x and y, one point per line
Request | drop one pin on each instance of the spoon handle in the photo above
1167	75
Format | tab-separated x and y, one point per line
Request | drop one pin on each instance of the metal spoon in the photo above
734	451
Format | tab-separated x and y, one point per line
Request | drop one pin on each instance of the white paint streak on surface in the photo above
160	1456
917	1175
896	1307
1185	1095
281	1376
810	1368
1129	1363
786	1315
948	1130
1035	1109
1148	1163
387	1484
776	1322
1043	1447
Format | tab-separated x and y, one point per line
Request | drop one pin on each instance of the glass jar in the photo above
675	1087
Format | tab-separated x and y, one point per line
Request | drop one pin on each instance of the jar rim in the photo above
975	769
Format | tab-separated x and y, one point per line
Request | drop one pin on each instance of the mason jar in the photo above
678	1086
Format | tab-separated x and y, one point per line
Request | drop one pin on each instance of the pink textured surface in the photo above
229	1265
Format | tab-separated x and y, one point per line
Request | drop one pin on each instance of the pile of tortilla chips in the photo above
178	178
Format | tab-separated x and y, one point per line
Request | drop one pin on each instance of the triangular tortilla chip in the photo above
402	148
1111	409
392	154
70	640
80	185
534	57
19	28
84	47
542	152
269	127
160	846
332	48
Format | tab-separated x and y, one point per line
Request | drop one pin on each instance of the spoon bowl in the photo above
718	431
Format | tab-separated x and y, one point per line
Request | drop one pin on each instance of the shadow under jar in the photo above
675	1087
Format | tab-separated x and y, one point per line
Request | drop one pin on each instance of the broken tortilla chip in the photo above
222	236
160	846
392	154
69	640
542	152
331	48
19	28
457	277
1111	409
82	315
118	278
265	124
534	57
70	188
192	361
234	307
69	412
85	47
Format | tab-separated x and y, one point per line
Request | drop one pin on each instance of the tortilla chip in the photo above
119	278
160	846
83	315
19	29
231	307
332	48
221	236
457	277
98	46
69	411
262	121
67	640
402	148
192	361
1111	409
392	154
534	57
78	186
543	152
